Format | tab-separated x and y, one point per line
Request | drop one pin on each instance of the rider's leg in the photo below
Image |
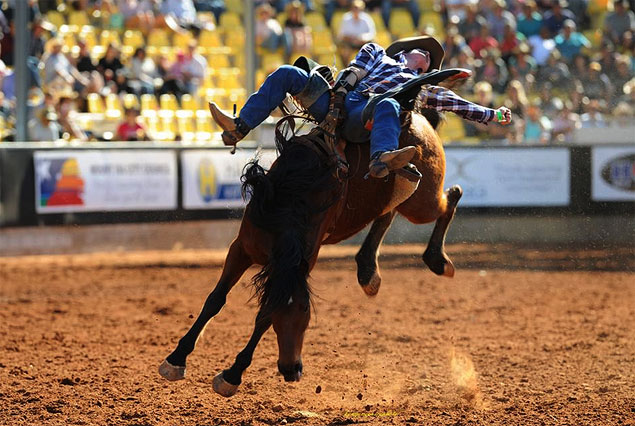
384	140
286	79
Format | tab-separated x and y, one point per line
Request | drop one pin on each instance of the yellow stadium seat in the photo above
383	39
378	20
133	38
55	18
186	125
209	39
229	78
168	102
218	60
182	39
204	127
189	103
323	42
452	129
316	21
400	24
336	20
109	37
235	6
113	106
434	20
149	103
168	125
78	17
230	20
88	36
158	38
271	61
130	100
95	104
235	39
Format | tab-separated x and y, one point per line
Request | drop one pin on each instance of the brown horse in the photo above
300	204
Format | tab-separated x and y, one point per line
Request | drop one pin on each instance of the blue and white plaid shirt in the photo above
385	73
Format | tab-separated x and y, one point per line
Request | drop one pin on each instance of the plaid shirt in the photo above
385	73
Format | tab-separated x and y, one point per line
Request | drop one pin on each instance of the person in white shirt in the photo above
357	28
194	69
541	46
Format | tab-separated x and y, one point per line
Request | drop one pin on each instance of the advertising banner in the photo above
520	177
211	178
613	173
117	180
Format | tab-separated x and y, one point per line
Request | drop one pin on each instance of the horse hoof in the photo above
171	372
448	269
372	288
223	388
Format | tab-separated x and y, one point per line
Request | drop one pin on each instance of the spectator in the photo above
65	111
59	71
174	78
470	26
530	21
565	123
619	22
130	129
143	71
580	9
541	46
516	101
570	42
281	5
411	5
498	18
37	42
181	14
194	69
492	69
332	6
537	126
596	84
137	14
621	75
522	66
454	42
554	18
510	42
112	18
297	32
606	56
269	35
217	7
357	28
455	10
485	97
623	115
44	127
483	42
592	116
84	61
464	59
120	84
110	63
555	72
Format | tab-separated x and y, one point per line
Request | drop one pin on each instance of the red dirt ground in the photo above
518	337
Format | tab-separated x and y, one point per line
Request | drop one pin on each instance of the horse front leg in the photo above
367	268
226	382
435	256
236	263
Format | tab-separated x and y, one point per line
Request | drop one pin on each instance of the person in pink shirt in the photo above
130	129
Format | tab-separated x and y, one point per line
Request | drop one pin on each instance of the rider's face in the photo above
418	60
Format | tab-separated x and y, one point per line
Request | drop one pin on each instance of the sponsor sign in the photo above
521	177
211	178
118	180
613	171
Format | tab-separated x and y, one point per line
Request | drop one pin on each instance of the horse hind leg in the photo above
435	256
236	263
367	268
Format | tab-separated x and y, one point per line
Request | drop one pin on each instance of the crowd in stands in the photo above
144	69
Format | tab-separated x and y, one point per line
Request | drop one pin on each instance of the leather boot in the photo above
234	129
382	163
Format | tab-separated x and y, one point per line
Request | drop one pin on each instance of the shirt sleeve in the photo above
443	99
368	56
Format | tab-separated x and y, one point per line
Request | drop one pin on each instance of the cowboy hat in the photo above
422	42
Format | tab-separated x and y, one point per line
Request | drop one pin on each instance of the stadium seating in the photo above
400	23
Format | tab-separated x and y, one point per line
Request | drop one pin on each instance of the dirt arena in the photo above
520	336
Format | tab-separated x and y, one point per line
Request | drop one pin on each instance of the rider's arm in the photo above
443	99
359	67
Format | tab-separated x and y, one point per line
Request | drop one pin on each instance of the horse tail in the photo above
283	204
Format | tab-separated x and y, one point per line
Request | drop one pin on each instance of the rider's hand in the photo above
503	116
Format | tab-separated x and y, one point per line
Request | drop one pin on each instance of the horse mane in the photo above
283	204
433	116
